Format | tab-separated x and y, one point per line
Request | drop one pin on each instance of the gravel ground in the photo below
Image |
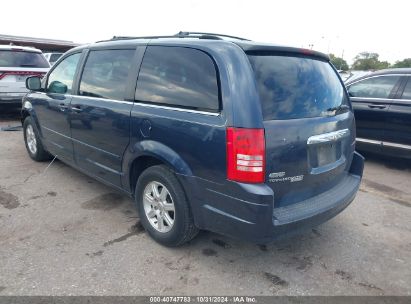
63	233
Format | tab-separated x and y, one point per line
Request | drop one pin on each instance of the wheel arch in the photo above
149	153
26	111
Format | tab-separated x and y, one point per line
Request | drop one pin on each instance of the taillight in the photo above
21	73
245	155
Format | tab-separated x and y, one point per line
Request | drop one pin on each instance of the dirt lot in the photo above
63	233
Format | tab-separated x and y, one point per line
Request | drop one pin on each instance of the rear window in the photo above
293	87
11	58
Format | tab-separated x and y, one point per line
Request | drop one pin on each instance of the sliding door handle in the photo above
377	106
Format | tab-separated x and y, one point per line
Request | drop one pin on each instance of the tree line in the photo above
368	61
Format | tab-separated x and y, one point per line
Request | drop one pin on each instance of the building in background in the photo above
45	45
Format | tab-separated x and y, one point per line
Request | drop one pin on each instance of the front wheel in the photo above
163	207
33	142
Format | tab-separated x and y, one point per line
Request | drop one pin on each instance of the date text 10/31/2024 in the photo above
203	299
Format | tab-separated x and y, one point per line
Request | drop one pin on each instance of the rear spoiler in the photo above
251	48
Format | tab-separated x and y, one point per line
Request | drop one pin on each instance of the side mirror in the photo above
57	87
33	83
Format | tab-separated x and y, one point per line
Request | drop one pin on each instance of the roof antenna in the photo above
181	33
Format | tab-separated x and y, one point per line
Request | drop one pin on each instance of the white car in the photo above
16	64
52	57
355	74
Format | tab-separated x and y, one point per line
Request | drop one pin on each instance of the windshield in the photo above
296	86
13	58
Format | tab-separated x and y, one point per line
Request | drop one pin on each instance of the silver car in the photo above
16	64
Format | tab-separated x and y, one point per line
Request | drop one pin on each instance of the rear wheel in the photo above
163	207
33	142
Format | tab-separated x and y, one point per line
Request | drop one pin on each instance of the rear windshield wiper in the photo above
28	65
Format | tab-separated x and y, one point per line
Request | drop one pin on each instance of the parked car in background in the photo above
382	108
52	57
16	64
350	76
204	131
344	74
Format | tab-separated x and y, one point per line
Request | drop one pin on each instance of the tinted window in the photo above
376	87
295	87
407	91
105	74
178	76
61	78
22	59
54	57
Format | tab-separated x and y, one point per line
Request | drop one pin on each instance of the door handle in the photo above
375	106
63	107
76	108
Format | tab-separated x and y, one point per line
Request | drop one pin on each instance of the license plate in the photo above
326	154
21	78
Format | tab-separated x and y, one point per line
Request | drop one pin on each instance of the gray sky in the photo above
344	27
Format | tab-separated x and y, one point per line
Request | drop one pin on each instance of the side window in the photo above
105	74
178	76
61	78
407	90
376	87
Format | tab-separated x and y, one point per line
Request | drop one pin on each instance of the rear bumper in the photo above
12	98
248	212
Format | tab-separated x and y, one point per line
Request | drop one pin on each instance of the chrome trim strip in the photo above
141	104
378	99
395	145
45	93
384	143
368	141
90	98
102	99
175	109
328	137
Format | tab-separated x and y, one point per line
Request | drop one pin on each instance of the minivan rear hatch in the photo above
308	124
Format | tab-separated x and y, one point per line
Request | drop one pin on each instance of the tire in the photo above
33	142
153	208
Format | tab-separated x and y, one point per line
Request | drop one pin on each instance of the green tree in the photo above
405	63
338	62
368	61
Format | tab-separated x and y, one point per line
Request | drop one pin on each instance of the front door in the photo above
52	108
370	99
398	133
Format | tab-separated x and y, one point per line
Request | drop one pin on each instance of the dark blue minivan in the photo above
204	131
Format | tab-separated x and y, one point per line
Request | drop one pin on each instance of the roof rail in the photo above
180	34
208	35
141	37
132	38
